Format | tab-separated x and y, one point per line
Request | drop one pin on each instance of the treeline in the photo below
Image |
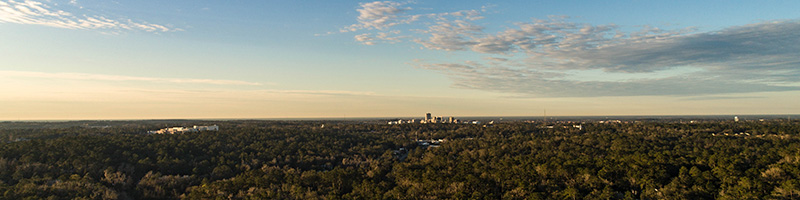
304	160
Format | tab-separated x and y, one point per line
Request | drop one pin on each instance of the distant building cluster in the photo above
11	139
180	130
430	143
610	121
428	119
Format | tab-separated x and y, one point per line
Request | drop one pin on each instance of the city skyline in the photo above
88	59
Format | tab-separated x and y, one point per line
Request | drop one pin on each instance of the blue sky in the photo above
86	59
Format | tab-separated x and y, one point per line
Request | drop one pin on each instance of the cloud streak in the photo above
751	58
322	92
531	83
538	58
39	13
386	37
103	77
381	16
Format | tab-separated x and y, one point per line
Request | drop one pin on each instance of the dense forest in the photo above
252	159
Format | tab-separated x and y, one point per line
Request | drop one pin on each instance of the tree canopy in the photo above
253	159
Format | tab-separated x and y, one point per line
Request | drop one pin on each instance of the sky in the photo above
148	59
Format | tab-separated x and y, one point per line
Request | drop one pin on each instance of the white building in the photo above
207	128
180	129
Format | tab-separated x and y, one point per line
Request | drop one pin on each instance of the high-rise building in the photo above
735	118
451	120
428	117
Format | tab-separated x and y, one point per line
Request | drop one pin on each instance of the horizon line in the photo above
384	118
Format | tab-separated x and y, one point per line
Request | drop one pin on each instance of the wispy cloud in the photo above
381	16
532	83
538	58
704	98
387	37
752	58
104	77
450	35
42	13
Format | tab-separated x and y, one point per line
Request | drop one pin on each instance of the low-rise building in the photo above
180	129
